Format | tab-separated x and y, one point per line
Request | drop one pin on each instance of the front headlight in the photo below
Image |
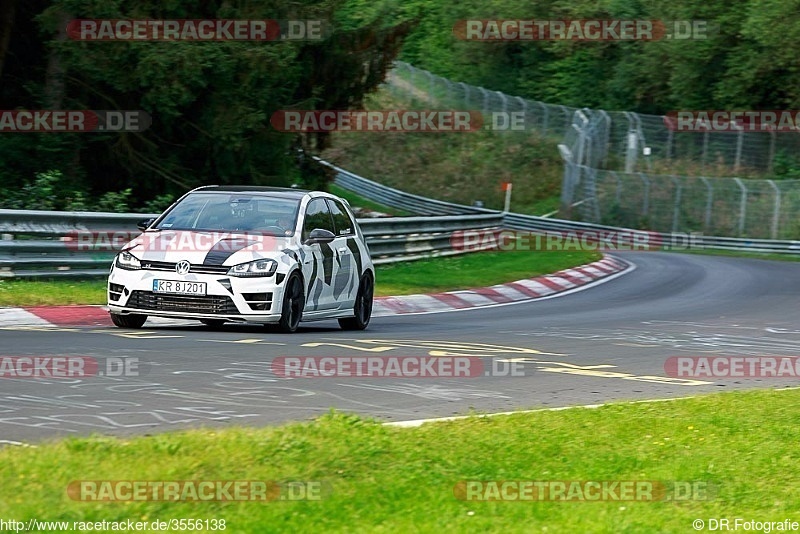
126	260
254	268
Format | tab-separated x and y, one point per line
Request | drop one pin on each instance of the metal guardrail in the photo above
45	244
398	199
394	198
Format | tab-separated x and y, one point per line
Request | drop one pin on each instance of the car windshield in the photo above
233	212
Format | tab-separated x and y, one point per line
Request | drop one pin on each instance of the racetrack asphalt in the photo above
608	342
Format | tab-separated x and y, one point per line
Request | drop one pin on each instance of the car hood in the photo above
206	248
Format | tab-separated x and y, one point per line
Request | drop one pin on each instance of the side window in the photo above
317	216
341	219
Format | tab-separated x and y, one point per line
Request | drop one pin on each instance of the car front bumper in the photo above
254	299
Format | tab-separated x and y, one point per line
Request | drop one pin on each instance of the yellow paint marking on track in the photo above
251	341
453	347
40	328
136	334
352	347
625	376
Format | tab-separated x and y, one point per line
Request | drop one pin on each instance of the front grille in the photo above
212	304
198	269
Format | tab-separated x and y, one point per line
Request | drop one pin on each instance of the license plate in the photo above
182	288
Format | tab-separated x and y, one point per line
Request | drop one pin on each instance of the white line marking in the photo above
420	422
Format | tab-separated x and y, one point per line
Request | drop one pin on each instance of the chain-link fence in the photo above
766	209
621	140
617	164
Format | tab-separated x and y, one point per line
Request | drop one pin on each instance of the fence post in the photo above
739	141
776	212
606	136
646	203
546	119
677	210
709	204
742	205
631	150
771	163
504	99
705	150
485	94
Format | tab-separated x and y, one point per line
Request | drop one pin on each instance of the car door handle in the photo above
342	249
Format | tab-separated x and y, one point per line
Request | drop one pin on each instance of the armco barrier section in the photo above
47	244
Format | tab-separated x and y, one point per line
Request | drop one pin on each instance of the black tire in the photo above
293	303
131	320
213	323
362	311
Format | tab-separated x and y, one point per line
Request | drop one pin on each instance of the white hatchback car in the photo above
246	254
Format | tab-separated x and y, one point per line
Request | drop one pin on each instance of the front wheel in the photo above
131	320
362	311
293	304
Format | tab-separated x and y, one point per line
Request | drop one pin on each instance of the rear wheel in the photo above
293	303
362	311
213	323
132	320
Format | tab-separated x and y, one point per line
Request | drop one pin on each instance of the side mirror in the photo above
319	235
144	224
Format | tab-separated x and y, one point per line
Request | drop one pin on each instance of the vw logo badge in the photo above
183	267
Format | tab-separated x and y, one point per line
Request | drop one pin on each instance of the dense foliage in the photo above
749	59
210	101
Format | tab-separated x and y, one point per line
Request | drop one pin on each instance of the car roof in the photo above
284	192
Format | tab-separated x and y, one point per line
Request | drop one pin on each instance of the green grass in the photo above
455	167
384	479
737	254
473	270
51	292
422	276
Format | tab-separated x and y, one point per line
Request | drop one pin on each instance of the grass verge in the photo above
455	167
423	276
384	479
